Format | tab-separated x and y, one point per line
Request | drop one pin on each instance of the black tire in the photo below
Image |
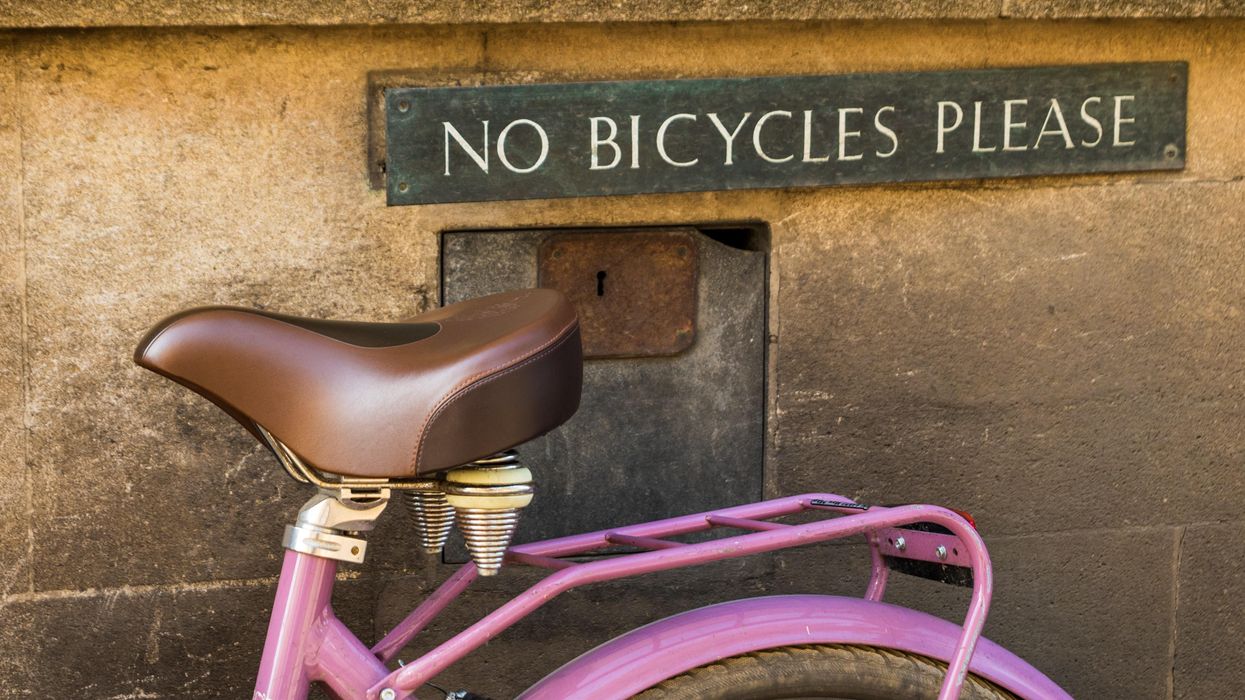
837	671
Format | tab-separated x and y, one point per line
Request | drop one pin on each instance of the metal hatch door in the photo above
672	418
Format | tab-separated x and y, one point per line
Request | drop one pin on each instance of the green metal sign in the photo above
469	144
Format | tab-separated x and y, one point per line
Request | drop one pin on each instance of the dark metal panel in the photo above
455	144
635	291
654	436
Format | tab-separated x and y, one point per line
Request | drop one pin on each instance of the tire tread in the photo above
722	679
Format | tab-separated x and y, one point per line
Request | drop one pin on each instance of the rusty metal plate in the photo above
635	291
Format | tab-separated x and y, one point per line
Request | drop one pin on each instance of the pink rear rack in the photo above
762	535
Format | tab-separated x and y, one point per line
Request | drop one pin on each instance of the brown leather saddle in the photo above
384	400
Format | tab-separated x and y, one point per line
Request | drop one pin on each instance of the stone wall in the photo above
1061	356
190	13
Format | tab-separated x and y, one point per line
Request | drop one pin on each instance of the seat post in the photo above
326	532
304	594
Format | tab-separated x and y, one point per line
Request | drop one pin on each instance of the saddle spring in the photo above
433	518
484	497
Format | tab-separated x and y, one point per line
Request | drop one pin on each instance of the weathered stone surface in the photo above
78	13
160	173
1082	607
14	520
1065	9
313	12
1209	612
1012	353
200	642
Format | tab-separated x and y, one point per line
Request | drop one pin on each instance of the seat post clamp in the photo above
328	525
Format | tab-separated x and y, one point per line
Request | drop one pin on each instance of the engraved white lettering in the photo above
481	159
728	136
943	129
883	129
635	142
1061	131
808	140
1121	120
597	142
661	141
844	133
1092	121
977	147
756	136
1009	126
501	145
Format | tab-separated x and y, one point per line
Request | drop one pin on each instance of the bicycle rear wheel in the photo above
838	671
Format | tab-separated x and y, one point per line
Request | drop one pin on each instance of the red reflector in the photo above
966	515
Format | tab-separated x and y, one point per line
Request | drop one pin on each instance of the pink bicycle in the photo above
430	409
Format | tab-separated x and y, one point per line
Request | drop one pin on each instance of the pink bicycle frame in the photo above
307	643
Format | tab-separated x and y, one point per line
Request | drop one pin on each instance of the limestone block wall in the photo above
1060	356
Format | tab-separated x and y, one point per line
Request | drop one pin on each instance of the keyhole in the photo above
601	283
